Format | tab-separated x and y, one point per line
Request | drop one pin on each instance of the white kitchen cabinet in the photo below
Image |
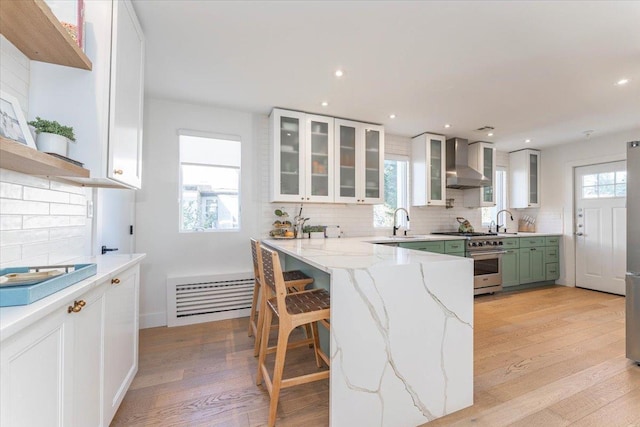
482	157
73	366
303	165
120	338
105	105
359	162
524	173
51	372
428	165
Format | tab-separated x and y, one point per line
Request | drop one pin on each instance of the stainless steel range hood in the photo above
459	174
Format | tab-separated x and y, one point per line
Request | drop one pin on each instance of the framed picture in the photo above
12	122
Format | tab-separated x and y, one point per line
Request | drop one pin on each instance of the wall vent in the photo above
485	128
199	299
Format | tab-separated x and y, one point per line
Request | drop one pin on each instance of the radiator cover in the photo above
199	299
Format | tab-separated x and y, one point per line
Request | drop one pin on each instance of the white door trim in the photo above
569	277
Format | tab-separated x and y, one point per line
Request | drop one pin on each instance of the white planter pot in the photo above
316	235
52	143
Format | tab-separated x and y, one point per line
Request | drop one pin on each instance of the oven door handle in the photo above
472	254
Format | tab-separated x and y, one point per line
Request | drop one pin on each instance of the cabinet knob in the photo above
115	281
118	171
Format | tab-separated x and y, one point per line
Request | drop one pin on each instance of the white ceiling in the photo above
539	70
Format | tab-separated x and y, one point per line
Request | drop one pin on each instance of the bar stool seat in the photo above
293	310
295	281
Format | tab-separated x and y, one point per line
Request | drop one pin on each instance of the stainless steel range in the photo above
486	250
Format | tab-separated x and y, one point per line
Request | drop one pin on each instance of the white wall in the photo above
557	201
174	254
41	222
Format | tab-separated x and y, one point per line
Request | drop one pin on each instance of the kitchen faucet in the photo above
498	219
397	227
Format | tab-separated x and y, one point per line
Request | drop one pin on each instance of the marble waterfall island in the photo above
401	339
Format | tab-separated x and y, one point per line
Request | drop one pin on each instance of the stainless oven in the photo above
486	251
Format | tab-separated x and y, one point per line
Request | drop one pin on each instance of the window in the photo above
396	189
605	184
500	188
209	183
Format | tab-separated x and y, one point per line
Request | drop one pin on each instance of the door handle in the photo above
579	234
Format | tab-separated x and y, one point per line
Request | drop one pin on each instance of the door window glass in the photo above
603	185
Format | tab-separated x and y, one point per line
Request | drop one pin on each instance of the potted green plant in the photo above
314	231
52	137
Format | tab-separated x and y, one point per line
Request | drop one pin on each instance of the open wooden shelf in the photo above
34	29
20	158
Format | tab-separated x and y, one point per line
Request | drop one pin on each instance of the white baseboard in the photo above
152	320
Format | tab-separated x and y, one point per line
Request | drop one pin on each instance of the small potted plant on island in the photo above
52	137
314	231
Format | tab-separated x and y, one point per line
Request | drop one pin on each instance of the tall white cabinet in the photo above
359	162
428	165
105	105
524	173
482	157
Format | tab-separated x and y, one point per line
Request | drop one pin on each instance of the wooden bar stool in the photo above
295	281
292	310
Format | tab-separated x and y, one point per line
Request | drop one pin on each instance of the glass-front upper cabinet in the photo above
524	173
428	162
319	159
359	162
482	157
303	165
289	128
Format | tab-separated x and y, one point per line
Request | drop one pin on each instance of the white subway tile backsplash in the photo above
22	179
78	199
77	220
10	254
58	209
10	206
43	195
21	237
10	222
44	221
33	250
66	233
10	191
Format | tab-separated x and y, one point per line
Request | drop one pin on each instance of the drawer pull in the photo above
118	172
77	306
115	281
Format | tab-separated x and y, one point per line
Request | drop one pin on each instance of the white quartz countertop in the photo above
356	252
13	319
524	234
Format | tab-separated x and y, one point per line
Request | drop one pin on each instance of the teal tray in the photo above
27	294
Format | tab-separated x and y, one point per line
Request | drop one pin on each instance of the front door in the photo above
601	226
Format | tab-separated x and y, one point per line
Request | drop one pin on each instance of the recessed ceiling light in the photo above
447	126
339	73
490	134
392	116
527	141
622	82
324	103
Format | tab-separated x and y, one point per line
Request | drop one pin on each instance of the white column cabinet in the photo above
120	338
524	173
105	105
428	165
302	157
482	157
359	160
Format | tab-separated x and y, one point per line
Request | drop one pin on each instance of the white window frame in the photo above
499	196
210	135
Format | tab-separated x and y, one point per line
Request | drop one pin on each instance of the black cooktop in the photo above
457	233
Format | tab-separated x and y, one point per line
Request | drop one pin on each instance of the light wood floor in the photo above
552	356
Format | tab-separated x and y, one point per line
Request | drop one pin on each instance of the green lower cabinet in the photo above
532	266
437	247
553	271
511	268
